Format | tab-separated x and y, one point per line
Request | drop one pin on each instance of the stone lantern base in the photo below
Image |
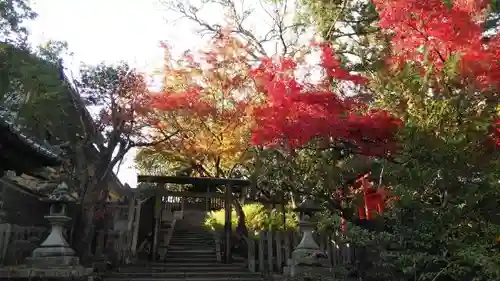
307	258
24	272
54	251
308	261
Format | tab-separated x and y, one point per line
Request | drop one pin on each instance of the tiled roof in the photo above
42	147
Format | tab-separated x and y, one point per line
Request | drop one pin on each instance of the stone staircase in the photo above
191	256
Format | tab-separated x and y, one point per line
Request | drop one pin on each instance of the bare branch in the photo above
279	33
153	143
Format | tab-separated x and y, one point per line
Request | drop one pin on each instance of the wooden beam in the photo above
156	228
193	194
137	214
164	192
192	180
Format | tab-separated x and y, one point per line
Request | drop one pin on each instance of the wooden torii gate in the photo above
230	185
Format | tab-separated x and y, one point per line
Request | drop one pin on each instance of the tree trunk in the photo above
94	202
241	228
86	227
295	198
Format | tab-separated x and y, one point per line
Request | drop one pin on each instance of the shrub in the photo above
257	218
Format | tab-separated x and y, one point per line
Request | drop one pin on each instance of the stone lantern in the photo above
53	259
55	250
307	256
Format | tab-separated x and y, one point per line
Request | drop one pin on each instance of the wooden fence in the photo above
114	242
17	242
269	251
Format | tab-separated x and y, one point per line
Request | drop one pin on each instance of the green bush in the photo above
257	218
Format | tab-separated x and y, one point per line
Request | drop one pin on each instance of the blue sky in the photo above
111	30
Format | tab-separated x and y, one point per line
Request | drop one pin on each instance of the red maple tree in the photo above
295	113
433	31
206	99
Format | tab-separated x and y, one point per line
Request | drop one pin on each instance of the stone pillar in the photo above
307	258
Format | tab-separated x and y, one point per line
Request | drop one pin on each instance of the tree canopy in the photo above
398	135
388	114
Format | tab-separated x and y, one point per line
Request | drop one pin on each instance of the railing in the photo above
216	204
166	237
143	227
207	203
17	242
218	244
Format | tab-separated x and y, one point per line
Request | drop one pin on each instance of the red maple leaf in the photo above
294	113
443	31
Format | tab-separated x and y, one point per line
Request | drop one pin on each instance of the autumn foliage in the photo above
433	32
206	99
220	103
297	112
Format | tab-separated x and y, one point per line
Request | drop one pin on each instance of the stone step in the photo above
179	248
192	235
201	251
168	257
185	274
192	232
192	259
172	264
198	260
175	249
207	278
191	253
208	237
189	227
192	238
184	268
191	244
189	237
195	239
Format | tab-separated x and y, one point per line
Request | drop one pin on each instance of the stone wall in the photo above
20	206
